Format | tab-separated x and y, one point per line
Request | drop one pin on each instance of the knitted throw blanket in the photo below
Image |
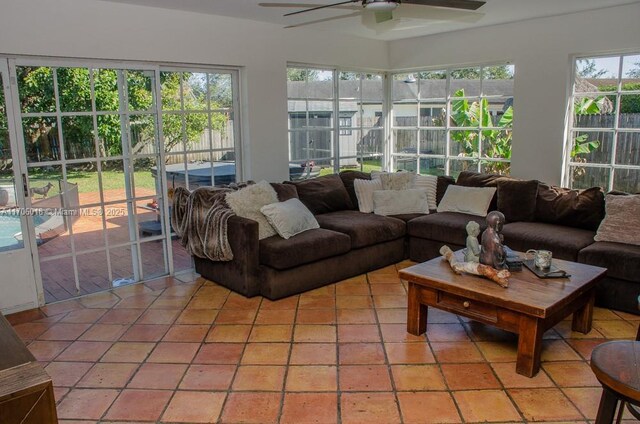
200	218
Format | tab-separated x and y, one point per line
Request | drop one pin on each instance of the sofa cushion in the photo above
565	242
479	179
517	199
445	227
348	177
396	202
285	191
443	182
621	260
323	194
364	229
573	208
406	217
302	248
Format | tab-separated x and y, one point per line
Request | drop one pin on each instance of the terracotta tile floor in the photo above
187	350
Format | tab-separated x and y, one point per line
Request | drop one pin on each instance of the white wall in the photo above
104	30
541	50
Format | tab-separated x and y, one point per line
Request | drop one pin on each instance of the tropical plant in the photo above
496	137
582	144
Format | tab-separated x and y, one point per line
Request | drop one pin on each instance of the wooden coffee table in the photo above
528	307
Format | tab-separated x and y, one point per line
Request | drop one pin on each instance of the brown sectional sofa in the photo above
350	242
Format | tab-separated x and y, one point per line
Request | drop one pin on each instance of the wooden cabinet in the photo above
26	391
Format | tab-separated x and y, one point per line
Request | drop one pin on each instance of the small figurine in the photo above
492	252
472	252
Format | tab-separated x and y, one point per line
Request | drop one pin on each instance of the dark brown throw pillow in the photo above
347	179
442	183
573	208
478	179
323	194
517	199
285	191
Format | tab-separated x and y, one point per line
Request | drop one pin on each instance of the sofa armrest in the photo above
241	273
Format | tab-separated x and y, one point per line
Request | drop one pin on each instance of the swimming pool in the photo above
10	227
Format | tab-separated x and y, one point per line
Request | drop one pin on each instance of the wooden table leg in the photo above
583	317
416	312
529	346
607	408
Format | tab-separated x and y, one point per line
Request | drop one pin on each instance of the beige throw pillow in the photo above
621	223
364	192
398	202
469	200
248	201
290	217
430	184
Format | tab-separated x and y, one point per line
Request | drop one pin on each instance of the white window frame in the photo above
448	158
612	166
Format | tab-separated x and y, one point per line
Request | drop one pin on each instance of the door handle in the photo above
25	186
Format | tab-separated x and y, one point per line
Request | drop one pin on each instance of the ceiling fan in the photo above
381	8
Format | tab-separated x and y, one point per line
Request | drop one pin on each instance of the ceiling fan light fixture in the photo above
380	5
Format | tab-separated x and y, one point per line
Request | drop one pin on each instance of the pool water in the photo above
10	226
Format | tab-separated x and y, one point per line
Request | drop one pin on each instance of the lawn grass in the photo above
366	166
88	180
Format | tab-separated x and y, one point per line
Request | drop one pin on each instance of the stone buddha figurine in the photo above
492	252
472	252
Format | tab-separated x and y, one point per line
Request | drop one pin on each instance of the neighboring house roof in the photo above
372	91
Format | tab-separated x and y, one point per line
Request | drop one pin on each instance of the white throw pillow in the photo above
248	201
364	192
469	200
397	202
290	217
430	184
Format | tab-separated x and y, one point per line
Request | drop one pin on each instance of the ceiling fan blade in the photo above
383	16
453	4
322	7
416	12
317	21
306	5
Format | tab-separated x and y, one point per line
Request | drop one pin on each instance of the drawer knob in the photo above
466	304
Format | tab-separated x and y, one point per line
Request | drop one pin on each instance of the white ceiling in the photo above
409	20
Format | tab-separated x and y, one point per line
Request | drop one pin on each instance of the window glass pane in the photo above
466	112
140	90
83	184
113	180
35	87
77	132
405	163
493	167
464	143
433	84
320	114
197	131
628	148
171	83
221	91
105	86
405	115
41	139
586	177
457	166
319	84
194	91
320	145
597	74
406	141
627	180
432	166
433	142
496	143
109	135
631	73
74	89
433	114
592	147
371	143
465	82
405	87
594	111
143	134
629	111
349	85
372	87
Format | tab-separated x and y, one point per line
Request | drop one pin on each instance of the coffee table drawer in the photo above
466	306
